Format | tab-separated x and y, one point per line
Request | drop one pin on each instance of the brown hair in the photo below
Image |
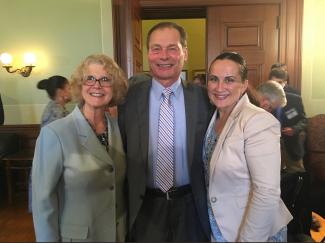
172	25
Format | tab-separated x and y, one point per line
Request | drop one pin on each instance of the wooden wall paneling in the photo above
294	13
27	134
255	36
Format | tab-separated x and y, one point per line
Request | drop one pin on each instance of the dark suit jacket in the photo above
2	115
289	89
134	127
294	116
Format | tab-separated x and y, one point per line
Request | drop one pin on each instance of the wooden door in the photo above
127	35
136	37
250	30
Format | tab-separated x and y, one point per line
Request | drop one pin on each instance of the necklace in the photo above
103	137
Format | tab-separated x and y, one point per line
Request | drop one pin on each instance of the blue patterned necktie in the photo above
165	149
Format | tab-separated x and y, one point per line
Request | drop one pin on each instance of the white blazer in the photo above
244	180
78	188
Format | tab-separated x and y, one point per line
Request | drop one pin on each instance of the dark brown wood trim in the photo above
27	133
294	17
202	3
173	13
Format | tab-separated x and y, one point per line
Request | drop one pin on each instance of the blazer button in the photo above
110	168
213	199
111	188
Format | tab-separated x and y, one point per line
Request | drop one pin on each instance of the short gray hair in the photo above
273	91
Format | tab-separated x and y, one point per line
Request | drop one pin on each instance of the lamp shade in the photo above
6	59
29	59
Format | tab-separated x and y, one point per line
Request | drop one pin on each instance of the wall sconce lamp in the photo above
29	60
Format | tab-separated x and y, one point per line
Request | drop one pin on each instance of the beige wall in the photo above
313	57
61	33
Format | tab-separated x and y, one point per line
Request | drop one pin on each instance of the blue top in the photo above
210	142
177	99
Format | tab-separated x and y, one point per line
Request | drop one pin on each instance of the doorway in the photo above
222	32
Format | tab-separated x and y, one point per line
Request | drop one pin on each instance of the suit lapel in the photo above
191	120
142	101
88	138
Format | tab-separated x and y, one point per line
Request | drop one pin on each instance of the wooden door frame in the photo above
291	15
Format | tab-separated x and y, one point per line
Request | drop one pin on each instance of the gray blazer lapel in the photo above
142	103
88	138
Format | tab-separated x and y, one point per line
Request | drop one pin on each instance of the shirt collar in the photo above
157	88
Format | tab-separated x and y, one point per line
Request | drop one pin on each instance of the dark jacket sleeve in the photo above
2	115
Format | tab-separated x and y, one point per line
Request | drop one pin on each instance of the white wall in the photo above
313	57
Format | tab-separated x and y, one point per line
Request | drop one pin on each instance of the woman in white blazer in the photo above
79	163
242	160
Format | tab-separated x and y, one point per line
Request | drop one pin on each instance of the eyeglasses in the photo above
103	81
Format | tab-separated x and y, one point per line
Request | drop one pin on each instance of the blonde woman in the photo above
79	163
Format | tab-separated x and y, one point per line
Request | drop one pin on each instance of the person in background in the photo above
78	171
293	125
242	160
271	95
2	114
295	183
279	69
58	90
200	79
163	122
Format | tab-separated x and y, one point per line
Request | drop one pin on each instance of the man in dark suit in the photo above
179	213
280	72
293	122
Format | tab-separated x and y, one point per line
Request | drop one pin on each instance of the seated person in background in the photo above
294	183
271	96
199	79
280	70
293	122
58	90
2	114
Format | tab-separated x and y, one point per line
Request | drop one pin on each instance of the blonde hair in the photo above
119	85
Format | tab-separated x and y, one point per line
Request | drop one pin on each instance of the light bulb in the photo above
29	59
6	59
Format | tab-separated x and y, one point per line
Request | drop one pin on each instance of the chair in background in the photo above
315	161
316	146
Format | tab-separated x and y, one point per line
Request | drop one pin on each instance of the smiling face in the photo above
96	96
225	85
166	55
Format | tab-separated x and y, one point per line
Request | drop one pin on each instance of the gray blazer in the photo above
78	188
